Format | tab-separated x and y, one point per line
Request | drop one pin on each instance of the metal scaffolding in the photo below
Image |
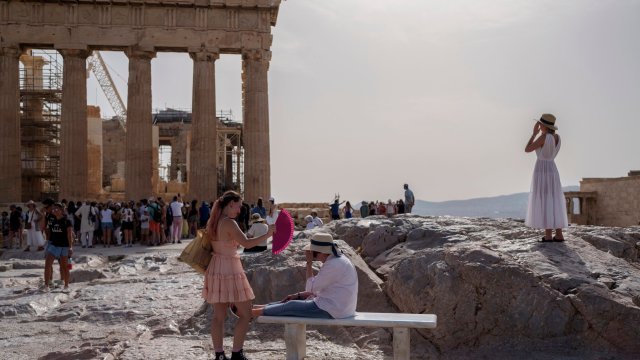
230	150
40	110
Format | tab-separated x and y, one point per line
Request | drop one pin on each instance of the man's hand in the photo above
290	297
309	256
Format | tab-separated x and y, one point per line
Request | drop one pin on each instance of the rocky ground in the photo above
498	293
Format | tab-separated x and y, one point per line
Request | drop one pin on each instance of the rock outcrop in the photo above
494	286
497	291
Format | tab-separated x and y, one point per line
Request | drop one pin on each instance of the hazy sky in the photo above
366	95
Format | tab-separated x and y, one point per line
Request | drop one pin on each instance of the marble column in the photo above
138	171
257	163
10	163
203	172
73	129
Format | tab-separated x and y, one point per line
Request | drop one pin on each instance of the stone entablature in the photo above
225	26
203	28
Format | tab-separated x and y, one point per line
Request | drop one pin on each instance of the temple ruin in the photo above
52	144
606	201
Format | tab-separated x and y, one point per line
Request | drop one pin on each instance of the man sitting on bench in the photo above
331	294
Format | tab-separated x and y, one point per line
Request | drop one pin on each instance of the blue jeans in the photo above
57	251
301	308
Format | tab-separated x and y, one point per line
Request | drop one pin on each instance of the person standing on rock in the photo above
409	199
547	208
225	283
335	209
331	294
60	246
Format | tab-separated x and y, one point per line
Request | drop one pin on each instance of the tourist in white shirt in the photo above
257	229
176	224
316	220
88	215
310	223
331	294
107	224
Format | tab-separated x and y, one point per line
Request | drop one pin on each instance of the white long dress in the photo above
547	207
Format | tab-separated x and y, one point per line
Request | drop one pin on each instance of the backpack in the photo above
157	215
92	215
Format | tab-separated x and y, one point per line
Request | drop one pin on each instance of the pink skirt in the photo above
225	281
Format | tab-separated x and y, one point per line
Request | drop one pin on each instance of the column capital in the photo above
204	55
256	55
78	53
11	51
140	53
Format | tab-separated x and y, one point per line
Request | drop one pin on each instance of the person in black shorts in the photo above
60	245
127	216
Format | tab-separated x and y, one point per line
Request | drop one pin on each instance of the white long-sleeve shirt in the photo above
335	287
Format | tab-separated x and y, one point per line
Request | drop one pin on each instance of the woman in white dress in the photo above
547	207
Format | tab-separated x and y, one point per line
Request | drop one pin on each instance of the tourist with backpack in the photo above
155	215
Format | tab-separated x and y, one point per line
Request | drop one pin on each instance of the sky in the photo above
368	95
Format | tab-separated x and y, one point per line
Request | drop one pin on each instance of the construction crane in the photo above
97	65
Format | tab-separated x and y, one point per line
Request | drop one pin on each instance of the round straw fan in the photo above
284	232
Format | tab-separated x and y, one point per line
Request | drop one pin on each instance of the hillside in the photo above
504	206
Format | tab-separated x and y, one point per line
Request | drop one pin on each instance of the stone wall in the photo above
618	200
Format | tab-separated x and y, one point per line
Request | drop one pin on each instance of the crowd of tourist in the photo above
150	222
389	209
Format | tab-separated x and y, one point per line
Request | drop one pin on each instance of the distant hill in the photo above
504	206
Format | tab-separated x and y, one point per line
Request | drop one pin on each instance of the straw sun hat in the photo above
549	121
255	218
321	242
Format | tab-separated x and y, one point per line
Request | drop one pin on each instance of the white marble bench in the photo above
295	329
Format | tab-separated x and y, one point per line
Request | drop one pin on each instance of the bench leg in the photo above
401	343
295	337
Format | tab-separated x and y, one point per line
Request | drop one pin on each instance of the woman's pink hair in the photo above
216	212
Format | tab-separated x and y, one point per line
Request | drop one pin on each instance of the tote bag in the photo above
198	253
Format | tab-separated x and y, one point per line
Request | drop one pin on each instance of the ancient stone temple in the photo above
203	28
606	201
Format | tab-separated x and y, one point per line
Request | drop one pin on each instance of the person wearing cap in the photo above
409	199
60	245
330	294
547	208
32	224
257	229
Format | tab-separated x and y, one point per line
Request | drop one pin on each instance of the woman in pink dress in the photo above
225	282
